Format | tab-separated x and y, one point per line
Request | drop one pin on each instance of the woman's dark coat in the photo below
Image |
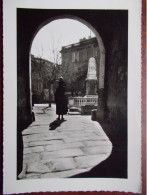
61	100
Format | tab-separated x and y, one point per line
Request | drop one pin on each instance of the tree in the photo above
48	72
51	69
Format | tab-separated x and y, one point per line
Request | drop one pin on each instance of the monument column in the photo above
91	80
91	96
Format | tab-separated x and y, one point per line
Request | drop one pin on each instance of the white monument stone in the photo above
91	80
91	74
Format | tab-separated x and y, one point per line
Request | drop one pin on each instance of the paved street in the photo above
60	149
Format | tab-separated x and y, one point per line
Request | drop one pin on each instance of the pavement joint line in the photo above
50	149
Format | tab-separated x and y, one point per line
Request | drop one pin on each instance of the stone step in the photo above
74	113
74	110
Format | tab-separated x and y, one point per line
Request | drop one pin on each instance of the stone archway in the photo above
100	65
113	28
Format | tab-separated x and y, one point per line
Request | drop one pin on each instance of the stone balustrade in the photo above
82	101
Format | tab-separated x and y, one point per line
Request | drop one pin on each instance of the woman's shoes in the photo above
61	118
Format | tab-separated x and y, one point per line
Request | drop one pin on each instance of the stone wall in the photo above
116	77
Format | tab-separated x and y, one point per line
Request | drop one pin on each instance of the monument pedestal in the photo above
91	87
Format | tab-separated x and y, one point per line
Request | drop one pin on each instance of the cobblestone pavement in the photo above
60	149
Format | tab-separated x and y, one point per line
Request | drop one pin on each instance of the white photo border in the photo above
133	183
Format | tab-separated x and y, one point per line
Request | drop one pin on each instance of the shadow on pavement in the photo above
116	164
55	124
113	167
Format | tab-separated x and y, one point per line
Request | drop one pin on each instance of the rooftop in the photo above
81	42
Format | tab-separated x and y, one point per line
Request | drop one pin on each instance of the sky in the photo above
61	32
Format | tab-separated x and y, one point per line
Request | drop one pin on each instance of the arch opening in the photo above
100	65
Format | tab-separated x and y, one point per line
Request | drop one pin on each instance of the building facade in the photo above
75	59
41	71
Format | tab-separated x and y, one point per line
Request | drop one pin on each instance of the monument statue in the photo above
91	74
91	80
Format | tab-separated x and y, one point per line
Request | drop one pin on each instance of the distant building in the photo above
75	59
40	69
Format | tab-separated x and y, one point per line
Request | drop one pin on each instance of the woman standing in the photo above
60	99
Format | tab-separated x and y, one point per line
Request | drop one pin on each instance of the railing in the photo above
82	101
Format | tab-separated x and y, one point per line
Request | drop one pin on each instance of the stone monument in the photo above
91	80
84	105
91	88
